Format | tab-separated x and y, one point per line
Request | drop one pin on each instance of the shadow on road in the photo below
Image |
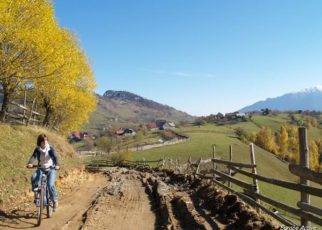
17	219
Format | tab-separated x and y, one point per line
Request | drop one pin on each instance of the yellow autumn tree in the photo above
266	140
310	121
26	31
314	156
293	144
68	95
34	49
283	141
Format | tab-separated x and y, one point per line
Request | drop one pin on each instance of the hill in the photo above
119	108
308	99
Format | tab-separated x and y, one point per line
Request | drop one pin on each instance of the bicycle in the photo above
42	197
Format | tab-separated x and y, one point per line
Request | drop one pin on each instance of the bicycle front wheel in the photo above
40	207
49	209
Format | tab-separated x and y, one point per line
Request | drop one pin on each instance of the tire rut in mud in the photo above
188	202
152	199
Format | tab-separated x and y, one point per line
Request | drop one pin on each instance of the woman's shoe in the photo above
55	205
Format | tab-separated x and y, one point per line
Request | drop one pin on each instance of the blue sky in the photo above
200	56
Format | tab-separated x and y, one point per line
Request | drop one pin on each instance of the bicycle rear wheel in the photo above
40	207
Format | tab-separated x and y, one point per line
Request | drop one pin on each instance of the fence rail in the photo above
290	185
237	164
305	173
24	113
25	116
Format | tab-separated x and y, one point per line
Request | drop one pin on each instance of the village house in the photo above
125	132
152	126
160	124
219	116
78	136
171	124
231	116
235	115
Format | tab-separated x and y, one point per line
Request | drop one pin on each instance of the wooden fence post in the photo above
188	165
31	111
177	165
163	163
305	162
24	118
230	159
254	170
34	116
171	162
198	166
214	155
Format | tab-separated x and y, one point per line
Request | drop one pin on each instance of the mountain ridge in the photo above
118	108
307	99
132	97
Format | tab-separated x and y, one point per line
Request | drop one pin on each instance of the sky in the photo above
201	57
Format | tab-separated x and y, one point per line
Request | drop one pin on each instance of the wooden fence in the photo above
23	115
252	194
251	191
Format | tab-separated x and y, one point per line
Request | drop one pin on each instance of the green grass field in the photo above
203	138
275	122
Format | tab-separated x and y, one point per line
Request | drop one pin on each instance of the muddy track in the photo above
123	204
123	198
187	202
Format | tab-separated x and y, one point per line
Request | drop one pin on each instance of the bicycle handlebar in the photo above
37	166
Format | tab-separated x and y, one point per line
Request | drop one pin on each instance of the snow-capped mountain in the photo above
307	99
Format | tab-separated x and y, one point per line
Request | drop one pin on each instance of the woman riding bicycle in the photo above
48	162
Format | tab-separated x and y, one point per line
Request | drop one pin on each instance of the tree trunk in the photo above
49	111
5	103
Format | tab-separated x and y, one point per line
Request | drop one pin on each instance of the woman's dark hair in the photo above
41	138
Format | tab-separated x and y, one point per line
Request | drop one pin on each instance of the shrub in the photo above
199	122
118	158
88	144
241	133
168	135
104	143
139	137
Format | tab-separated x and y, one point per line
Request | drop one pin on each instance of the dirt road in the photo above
129	199
123	204
104	202
70	212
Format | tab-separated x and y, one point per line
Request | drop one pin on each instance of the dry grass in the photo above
16	146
